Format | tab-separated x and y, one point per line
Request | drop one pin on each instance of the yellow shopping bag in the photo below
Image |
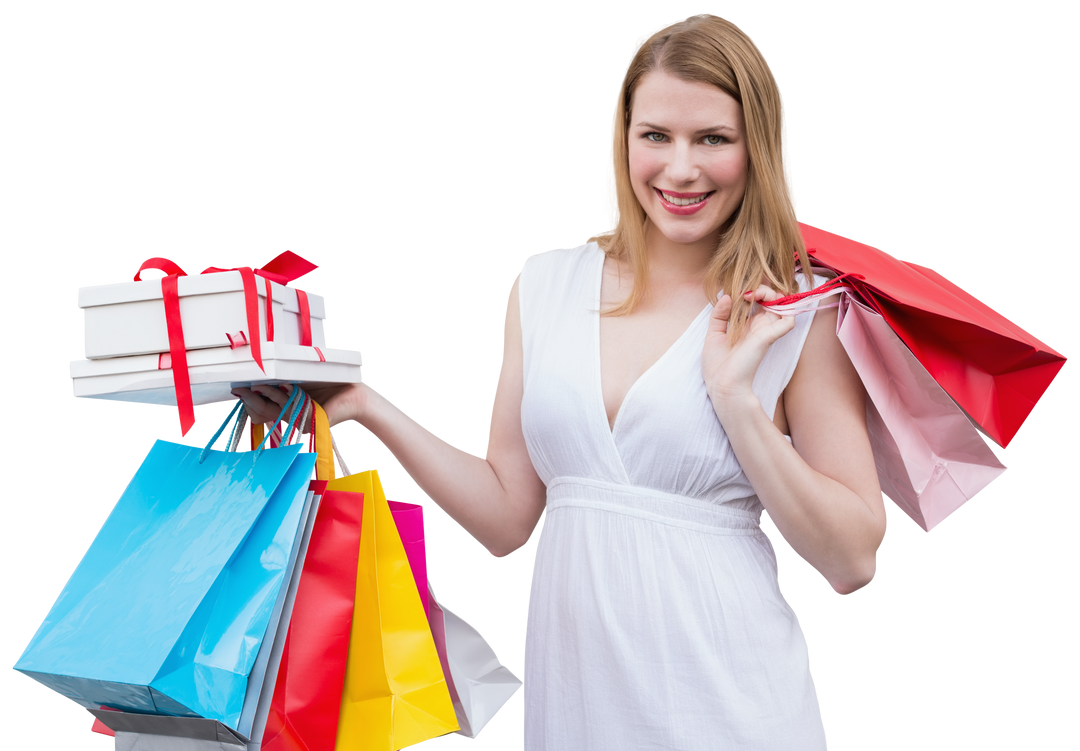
395	693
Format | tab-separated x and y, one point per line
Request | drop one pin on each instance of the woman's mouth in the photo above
683	203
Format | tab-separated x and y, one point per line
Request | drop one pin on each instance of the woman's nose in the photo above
682	168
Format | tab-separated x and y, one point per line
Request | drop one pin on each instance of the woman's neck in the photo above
671	260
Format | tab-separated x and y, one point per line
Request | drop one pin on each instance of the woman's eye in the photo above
711	139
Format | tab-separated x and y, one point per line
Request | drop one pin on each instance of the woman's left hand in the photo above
729	368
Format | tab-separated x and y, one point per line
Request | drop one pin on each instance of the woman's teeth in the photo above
683	201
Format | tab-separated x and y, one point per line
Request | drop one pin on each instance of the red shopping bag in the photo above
991	367
307	696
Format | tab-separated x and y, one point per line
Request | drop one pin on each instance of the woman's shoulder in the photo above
807	283
554	265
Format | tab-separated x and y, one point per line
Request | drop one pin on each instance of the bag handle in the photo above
301	409
239	411
341	462
229	423
288	408
324	464
806	302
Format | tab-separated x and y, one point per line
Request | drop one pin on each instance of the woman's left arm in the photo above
821	490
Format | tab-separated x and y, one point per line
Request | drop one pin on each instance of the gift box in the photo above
129	319
213	372
188	340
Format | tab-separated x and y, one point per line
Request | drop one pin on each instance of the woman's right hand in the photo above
347	401
341	402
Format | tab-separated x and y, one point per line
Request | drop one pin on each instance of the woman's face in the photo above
688	157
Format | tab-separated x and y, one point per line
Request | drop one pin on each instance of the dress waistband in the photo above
646	503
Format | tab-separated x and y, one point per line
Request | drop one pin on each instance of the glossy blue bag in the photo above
169	608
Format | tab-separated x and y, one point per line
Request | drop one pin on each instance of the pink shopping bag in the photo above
930	457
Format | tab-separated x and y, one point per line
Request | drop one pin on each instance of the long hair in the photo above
759	242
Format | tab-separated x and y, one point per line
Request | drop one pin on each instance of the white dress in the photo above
655	620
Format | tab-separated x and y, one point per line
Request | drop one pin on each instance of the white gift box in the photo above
129	319
213	372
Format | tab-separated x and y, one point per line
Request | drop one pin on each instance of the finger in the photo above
763	293
780	325
276	394
721	314
250	399
722	310
259	409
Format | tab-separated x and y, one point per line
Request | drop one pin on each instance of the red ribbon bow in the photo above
282	269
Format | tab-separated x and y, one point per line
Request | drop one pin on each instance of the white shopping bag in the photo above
479	684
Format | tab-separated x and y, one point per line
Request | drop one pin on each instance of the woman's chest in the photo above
631	345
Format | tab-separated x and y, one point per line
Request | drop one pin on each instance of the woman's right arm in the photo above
498	500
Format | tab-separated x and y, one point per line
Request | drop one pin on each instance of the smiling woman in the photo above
652	577
708	79
687	157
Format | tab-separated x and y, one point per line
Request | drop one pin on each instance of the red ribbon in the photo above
251	306
282	269
177	351
305	318
269	310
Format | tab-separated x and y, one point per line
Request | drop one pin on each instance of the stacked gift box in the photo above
237	327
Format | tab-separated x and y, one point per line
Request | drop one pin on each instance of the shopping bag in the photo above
168	609
930	458
306	702
139	732
991	367
195	734
395	693
480	683
409	520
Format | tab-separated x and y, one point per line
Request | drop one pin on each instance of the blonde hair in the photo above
758	244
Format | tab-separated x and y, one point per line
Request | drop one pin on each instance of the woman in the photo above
654	420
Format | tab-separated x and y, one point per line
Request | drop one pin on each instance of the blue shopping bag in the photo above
167	611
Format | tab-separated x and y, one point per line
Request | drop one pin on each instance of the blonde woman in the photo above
654	412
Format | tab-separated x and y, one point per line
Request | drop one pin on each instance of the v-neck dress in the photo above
655	619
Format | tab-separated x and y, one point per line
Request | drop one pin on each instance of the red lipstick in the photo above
683	210
685	195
